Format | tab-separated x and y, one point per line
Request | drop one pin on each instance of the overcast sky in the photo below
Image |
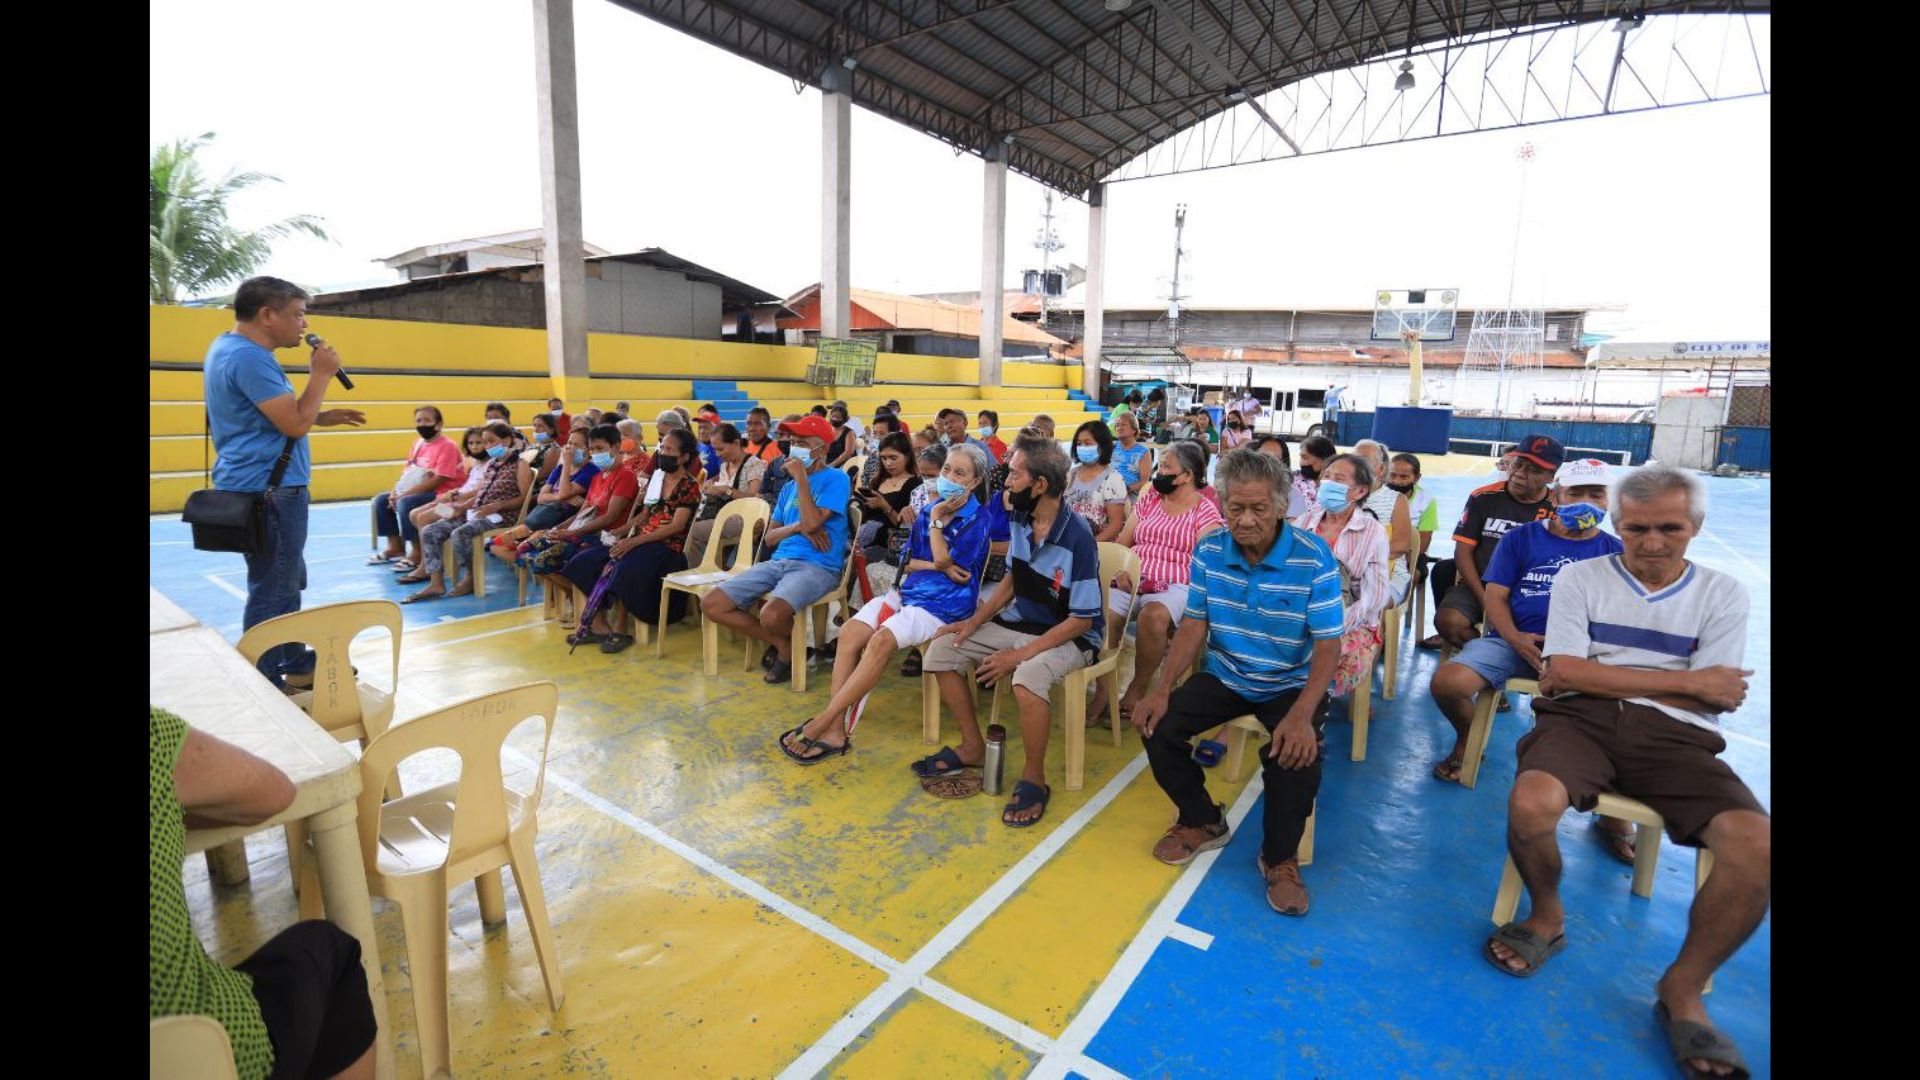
409	122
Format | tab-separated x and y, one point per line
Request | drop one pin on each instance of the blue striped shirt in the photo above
1262	620
1055	579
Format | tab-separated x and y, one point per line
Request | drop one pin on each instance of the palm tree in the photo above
191	247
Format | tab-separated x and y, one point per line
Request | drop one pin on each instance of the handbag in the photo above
234	520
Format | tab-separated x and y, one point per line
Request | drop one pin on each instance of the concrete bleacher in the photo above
397	366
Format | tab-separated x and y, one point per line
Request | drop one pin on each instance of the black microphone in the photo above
316	341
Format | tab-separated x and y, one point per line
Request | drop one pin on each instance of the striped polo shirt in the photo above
1598	611
1263	619
1054	580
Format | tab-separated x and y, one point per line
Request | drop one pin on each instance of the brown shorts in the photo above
1594	745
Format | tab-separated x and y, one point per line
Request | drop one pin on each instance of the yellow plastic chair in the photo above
1390	632
753	515
815	613
853	466
1114	560
189	1048
1361	710
1646	858
351	711
1481	732
419	847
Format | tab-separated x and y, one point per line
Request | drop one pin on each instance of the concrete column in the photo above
565	268
1095	317
993	264
836	198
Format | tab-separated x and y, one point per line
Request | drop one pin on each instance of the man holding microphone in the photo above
255	420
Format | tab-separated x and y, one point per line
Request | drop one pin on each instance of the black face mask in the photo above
1234	424
1309	472
1023	501
666	462
1164	484
1404	489
427	431
786	448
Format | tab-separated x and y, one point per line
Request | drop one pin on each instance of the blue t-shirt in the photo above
1528	560
710	458
831	489
933	590
583	475
239	375
1128	461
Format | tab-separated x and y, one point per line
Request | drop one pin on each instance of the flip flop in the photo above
403	566
1619	845
381	559
423	595
1448	771
1026	796
945	763
1527	945
826	750
615	643
1690	1040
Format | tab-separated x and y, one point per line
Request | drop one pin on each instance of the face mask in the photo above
628	446
1404	489
1234	425
1087	454
801	454
666	462
1165	484
1309	472
1333	496
947	489
579	456
785	448
427	431
496	451
541	437
1023	502
986	431
603	459
1579	517
479	454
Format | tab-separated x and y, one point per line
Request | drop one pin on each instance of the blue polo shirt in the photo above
932	590
1056	580
239	376
1262	620
831	489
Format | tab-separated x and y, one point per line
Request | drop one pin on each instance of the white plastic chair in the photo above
753	515
189	1048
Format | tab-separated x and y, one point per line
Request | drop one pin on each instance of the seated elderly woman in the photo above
428	513
1166	524
651	548
947	547
495	502
633	443
739	478
1359	544
558	499
608	505
1132	457
1095	489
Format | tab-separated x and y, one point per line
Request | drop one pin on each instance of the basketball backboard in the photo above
1428	313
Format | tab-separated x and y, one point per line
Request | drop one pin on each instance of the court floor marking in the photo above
226	586
1070	1048
902	976
1736	553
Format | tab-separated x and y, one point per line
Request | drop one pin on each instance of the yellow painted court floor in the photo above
718	909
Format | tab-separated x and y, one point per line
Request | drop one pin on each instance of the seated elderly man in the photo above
1040	623
1518	584
1265	604
1643	653
808	538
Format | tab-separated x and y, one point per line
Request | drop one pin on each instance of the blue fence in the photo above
1751	448
1635	439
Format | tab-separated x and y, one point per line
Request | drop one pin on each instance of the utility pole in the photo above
1174	297
1048	242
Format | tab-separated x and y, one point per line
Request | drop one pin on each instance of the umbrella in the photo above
596	600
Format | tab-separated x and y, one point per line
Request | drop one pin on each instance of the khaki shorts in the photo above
1036	676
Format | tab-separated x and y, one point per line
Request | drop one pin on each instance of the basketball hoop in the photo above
1409	335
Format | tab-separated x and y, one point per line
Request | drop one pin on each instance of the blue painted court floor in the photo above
1385	975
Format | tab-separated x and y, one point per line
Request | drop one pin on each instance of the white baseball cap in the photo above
1580	472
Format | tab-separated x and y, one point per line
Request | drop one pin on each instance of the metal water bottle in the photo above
994	762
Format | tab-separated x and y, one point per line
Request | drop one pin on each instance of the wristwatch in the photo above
938	524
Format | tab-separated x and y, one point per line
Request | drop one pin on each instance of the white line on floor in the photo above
840	1035
1748	739
227	587
1187	935
1069	1048
1729	549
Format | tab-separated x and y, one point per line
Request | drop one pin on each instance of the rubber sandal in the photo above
423	595
1619	845
402	566
1690	1040
826	750
910	667
1448	771
586	637
945	763
1026	796
1527	945
381	559
615	643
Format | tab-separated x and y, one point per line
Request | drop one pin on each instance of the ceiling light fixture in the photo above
1118	5
1405	81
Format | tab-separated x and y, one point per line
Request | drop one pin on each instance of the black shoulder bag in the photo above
234	520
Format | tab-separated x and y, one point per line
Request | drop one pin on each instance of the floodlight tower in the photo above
1510	338
1048	242
1173	295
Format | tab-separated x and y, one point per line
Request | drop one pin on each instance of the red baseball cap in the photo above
807	427
709	416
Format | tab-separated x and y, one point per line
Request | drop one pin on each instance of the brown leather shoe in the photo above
1286	893
1183	842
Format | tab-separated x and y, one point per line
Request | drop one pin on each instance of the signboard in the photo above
843	362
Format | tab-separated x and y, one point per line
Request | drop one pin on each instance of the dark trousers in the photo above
549	515
1441	576
276	577
1203	703
313	997
636	579
398	520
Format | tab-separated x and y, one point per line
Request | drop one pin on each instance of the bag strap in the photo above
280	467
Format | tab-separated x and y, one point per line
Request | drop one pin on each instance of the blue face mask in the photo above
541	436
579	456
1087	454
803	455
946	488
496	451
603	460
1332	496
986	431
1579	517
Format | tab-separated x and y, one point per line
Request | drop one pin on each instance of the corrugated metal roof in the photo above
1084	89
